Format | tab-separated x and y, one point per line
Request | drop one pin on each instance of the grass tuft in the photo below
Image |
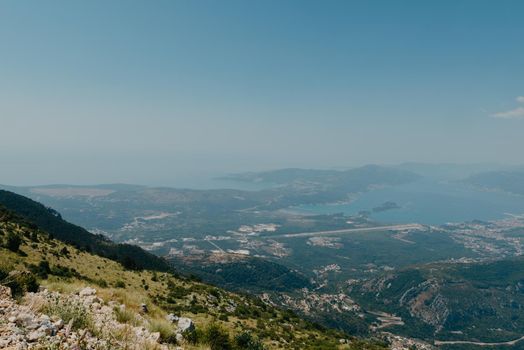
70	311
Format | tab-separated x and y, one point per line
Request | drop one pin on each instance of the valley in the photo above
326	266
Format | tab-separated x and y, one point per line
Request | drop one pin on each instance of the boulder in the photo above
87	292
23	318
59	324
179	338
172	318
185	324
155	337
35	335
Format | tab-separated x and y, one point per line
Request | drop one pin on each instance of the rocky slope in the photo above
52	320
452	301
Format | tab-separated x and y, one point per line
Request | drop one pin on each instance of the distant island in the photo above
386	206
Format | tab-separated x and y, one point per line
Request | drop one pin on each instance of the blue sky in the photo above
156	91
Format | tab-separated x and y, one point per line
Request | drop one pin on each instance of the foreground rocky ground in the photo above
51	320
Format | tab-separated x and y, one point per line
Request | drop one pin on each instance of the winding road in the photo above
451	342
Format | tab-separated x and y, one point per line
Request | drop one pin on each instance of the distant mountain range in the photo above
507	181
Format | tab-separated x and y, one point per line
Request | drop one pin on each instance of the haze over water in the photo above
429	202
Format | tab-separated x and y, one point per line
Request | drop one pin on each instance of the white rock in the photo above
59	324
21	346
185	324
87	292
35	335
179	338
24	318
172	318
155	337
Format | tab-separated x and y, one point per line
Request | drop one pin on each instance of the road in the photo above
352	230
450	342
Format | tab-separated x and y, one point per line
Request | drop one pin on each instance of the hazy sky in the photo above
154	92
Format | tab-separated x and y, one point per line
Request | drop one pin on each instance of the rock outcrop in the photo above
34	323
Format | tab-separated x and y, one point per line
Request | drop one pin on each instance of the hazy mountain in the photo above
507	181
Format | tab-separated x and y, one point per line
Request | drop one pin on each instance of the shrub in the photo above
178	292
13	242
67	311
245	341
217	338
19	282
65	252
63	271
4	272
120	284
191	336
42	270
101	283
129	263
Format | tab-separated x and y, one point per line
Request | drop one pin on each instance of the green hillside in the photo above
51	221
480	302
30	257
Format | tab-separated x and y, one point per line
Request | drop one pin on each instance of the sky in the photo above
166	92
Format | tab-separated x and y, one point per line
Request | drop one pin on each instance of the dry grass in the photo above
34	302
123	315
164	327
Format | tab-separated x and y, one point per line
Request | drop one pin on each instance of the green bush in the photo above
120	284
13	242
64	271
19	282
245	341
191	336
42	270
64	252
4	272
217	338
154	278
101	283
